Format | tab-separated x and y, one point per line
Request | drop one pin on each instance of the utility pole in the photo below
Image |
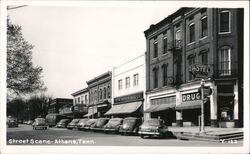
202	106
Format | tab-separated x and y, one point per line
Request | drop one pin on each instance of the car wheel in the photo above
142	136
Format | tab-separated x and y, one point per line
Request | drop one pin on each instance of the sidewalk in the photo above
208	130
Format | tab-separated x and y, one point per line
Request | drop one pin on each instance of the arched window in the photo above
225	61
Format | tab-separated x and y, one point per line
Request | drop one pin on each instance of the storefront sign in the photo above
129	98
199	70
191	96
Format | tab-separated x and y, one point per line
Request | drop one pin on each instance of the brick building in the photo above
56	104
99	95
207	38
81	102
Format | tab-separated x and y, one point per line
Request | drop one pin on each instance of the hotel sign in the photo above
191	96
200	71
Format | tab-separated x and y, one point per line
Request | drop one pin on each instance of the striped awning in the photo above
189	105
161	107
124	108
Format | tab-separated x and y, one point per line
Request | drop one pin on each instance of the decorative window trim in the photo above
191	55
229	21
189	36
202	18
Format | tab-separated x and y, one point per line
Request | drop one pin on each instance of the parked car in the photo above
11	122
30	122
53	118
63	123
39	123
90	123
99	124
73	124
82	123
113	125
130	125
154	128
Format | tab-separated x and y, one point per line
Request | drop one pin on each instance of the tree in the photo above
22	76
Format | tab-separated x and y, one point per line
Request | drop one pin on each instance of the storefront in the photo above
98	110
127	106
163	107
190	108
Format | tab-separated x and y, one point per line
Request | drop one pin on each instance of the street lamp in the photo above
202	130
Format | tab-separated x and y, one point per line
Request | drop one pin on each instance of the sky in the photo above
75	44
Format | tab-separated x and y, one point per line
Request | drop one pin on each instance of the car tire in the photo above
142	136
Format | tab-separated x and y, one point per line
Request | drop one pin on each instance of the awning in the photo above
124	108
90	114
189	105
161	107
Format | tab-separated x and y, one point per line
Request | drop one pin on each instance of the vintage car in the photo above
99	124
11	122
81	123
73	124
130	125
39	123
153	128
113	125
90	123
63	123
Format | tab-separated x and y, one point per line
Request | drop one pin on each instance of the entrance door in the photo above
225	108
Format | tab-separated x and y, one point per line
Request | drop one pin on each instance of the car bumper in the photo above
149	133
97	129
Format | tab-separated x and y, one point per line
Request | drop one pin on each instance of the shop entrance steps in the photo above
233	136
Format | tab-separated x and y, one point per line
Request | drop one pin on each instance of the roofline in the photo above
100	76
80	91
168	19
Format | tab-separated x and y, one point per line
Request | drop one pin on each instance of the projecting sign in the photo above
200	71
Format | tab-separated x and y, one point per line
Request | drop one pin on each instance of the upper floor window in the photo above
165	45
225	61
178	38
127	80
82	100
165	74
155	49
86	99
191	33
204	32
136	79
120	84
79	100
100	94
204	58
191	61
104	93
155	77
224	22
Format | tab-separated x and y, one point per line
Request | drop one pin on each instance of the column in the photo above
179	121
236	105
213	107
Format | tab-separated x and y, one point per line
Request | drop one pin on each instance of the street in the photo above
25	135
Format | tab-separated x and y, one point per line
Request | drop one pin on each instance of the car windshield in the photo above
115	122
152	122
